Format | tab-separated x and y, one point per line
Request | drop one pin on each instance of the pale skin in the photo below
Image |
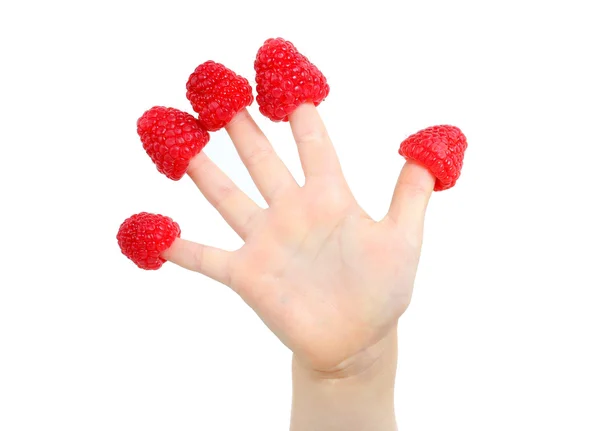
327	279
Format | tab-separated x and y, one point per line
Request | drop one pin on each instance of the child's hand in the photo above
328	280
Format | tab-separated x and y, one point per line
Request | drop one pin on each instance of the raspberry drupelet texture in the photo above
171	138
285	79
217	94
144	236
440	149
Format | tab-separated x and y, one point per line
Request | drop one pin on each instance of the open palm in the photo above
328	280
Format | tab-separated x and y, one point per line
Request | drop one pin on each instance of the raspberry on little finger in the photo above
144	236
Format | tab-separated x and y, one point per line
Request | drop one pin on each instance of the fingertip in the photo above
170	252
303	107
210	261
418	177
305	114
240	116
411	195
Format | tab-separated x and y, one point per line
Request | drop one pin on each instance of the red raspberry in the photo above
217	94
440	149
143	237
171	138
285	79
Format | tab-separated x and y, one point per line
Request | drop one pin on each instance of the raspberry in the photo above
217	94
143	237
285	79
440	149
171	138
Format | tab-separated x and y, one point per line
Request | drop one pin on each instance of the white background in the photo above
503	331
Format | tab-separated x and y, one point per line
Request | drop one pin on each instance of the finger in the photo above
210	261
234	205
411	196
317	155
268	172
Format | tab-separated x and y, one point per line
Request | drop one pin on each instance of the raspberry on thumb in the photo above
441	150
144	236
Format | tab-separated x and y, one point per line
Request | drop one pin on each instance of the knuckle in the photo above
258	155
198	258
240	117
224	192
414	189
247	225
198	166
312	137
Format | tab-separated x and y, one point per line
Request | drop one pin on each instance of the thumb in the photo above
411	196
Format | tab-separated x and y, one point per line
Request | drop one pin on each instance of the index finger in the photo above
317	155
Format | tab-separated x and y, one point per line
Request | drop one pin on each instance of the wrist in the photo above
376	360
357	395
